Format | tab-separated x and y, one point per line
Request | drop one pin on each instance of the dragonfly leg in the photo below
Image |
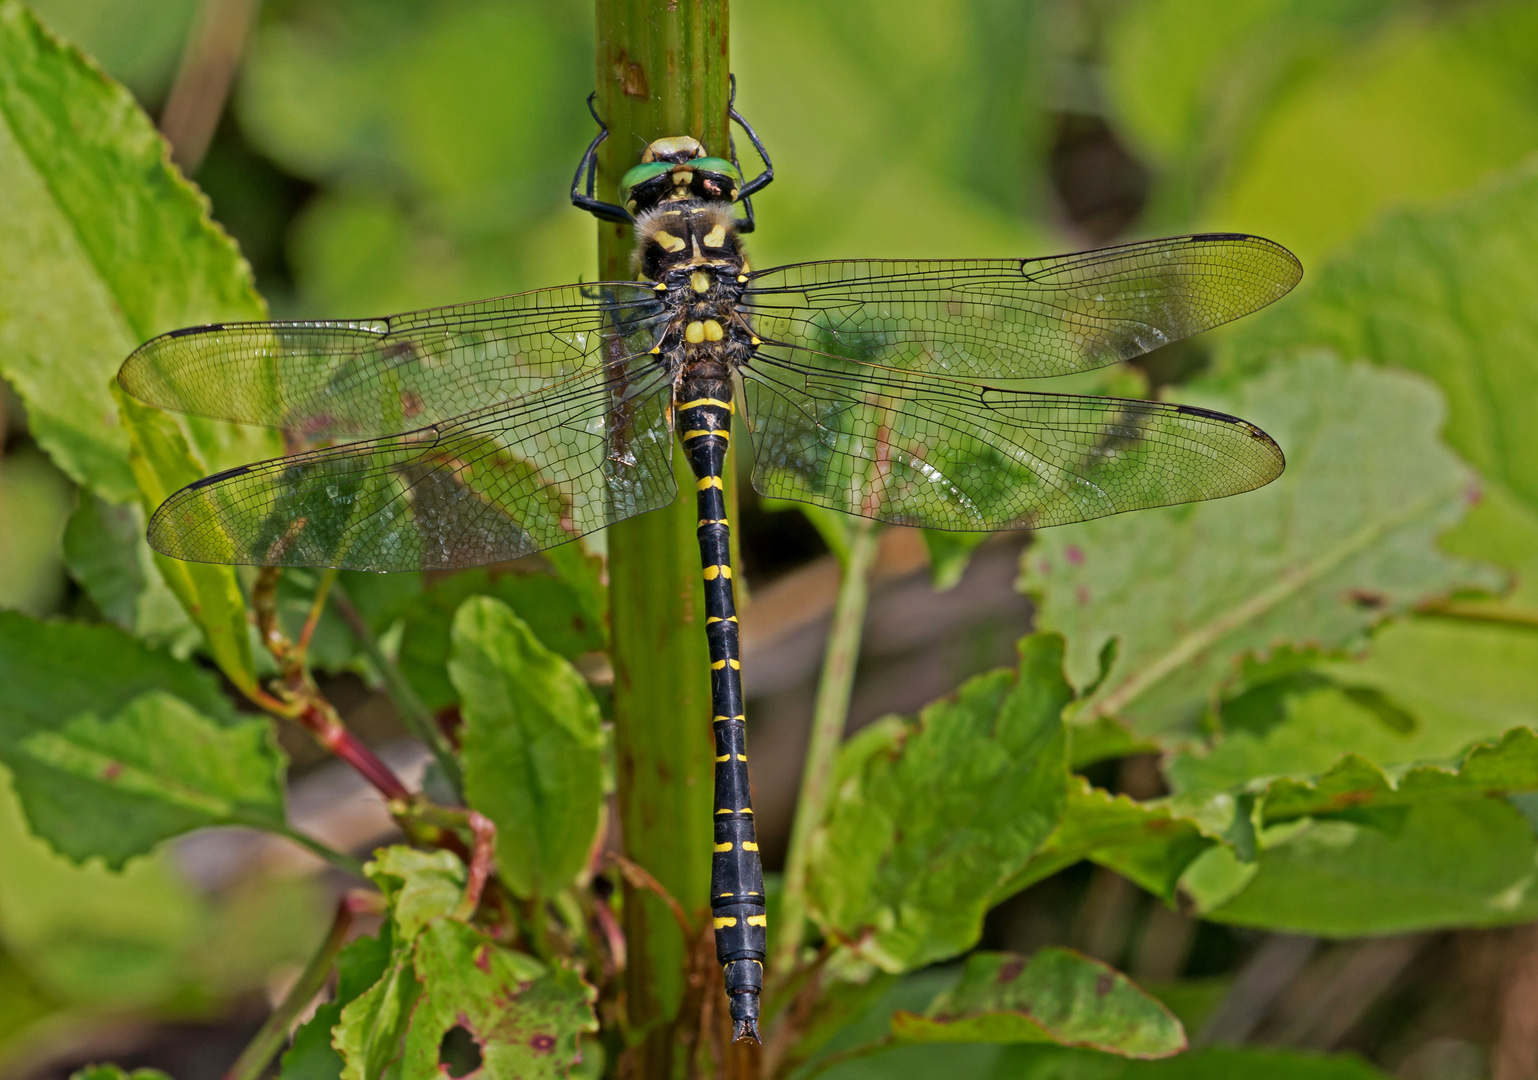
737	876
589	164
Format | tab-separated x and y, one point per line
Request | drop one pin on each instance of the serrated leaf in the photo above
103	246
525	1019
54	670
1447	863
1504	767
1151	843
558	614
929	816
1452	293
115	788
531	744
1346	537
162	462
419	886
369	1033
1058	996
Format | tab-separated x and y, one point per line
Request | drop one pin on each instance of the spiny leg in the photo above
737	876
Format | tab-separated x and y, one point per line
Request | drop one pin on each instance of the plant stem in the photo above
413	713
828	719
662	70
253	1061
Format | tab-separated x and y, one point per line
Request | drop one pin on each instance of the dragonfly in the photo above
487	431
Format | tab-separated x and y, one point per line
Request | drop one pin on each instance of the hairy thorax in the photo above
692	250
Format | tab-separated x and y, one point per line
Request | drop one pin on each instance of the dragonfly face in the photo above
491	430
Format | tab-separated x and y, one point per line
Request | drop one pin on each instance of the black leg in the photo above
763	179
597	207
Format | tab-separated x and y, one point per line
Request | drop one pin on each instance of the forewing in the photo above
496	484
350	379
1020	318
964	457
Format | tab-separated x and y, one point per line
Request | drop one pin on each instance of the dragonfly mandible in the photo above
492	430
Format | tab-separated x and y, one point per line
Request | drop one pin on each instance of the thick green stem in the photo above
662	70
829	716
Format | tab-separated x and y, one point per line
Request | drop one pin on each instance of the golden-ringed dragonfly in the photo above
487	431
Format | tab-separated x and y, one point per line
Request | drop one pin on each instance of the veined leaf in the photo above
526	1019
1055	996
931	815
1452	293
1346	537
162	462
532	747
117	787
103	245
419	886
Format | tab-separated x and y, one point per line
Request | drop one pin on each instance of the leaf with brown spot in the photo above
1057	996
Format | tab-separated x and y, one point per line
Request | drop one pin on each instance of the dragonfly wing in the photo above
351	379
965	457
1020	318
493	485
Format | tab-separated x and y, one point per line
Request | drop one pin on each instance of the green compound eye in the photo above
640	174
717	165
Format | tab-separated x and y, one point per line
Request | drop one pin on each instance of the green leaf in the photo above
90	937
525	1019
1453	294
1056	996
931	815
419	886
54	670
1424	109
102	247
361	964
34	504
559	615
1346	537
105	551
1446	863
532	747
368	1035
162	462
1214	1063
155	770
950	553
1151	843
1494	768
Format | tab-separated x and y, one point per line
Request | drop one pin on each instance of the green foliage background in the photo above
1331	669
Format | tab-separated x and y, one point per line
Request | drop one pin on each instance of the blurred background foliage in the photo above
380	155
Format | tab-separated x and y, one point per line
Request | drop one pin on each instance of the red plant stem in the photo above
322	722
485	834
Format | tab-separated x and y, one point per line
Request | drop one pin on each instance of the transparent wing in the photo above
964	457
347	380
1020	318
495	484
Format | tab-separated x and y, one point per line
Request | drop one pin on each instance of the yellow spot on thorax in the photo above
699	281
668	241
713	331
716	237
694	333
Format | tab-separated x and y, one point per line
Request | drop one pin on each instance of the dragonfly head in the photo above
678	168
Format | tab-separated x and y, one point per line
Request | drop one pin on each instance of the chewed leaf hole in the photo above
459	1054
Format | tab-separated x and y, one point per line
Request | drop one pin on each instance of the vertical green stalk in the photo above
828	718
662	70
